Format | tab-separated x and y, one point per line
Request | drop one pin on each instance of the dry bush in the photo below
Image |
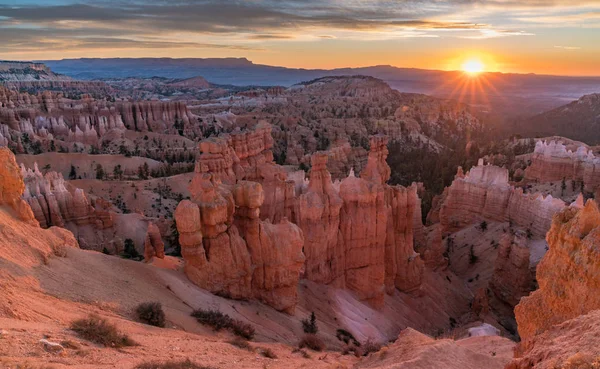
185	364
304	354
218	321
242	329
267	352
213	318
351	348
151	313
312	342
369	347
99	330
346	337
241	343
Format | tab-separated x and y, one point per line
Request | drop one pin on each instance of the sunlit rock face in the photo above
567	275
230	251
355	234
552	161
12	187
484	193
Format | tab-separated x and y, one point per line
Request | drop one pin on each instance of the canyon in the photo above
272	203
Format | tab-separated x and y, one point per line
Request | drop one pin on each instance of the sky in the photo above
525	36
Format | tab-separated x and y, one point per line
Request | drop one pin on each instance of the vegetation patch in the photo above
99	330
185	364
218	321
312	342
151	313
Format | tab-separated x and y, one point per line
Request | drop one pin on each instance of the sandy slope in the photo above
42	294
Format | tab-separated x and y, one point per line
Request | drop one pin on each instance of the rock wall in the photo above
50	115
513	275
484	193
551	161
12	187
567	275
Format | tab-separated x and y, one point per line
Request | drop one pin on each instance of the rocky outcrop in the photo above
567	275
513	275
484	193
552	161
53	202
356	234
153	244
229	251
247	155
359	232
12	187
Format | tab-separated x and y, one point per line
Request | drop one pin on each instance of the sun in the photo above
473	66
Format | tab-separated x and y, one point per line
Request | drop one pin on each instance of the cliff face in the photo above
484	193
19	225
559	323
50	115
11	187
551	161
567	275
356	234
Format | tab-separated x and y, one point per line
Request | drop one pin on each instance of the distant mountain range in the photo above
578	120
496	93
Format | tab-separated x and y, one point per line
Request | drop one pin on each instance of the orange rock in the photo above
567	275
153	245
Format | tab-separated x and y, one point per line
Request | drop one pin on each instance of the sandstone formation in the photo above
229	251
356	234
153	245
484	193
53	202
513	275
551	161
51	116
567	275
12	187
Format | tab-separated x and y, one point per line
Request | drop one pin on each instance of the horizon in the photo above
553	37
42	61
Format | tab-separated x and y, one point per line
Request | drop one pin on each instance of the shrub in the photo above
241	343
99	330
304	354
369	347
242	329
267	352
310	326
185	364
483	226
151	313
218	321
312	342
351	348
346	337
213	318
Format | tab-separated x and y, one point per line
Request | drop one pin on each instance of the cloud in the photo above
567	47
241	24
